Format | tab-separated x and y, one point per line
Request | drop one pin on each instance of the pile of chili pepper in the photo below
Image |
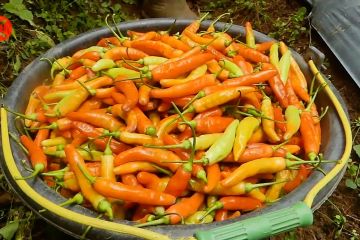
188	128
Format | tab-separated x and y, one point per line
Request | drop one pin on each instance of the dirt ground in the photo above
344	201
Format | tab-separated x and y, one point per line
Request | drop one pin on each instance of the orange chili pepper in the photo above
158	156
129	89
37	157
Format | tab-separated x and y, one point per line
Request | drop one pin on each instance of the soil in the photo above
345	199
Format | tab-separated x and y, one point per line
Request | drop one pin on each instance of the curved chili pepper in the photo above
37	157
274	191
218	98
177	68
234	70
89	131
235	203
118	190
78	72
298	89
252	78
258	166
133	167
292	115
179	211
118	53
144	124
280	122
129	89
268	125
97	200
213	177
223	145
174	42
158	156
294	67
170	140
277	86
102	120
184	89
73	101
299	178
91	104
244	131
250	38
216	69
196	218
152	181
250	54
284	66
199	172
156	48
264	46
194	74
41	135
144	94
105	42
213	124
309	136
179	181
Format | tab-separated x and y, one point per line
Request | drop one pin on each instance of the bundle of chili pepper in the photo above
166	129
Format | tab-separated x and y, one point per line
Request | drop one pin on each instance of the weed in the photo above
39	25
292	28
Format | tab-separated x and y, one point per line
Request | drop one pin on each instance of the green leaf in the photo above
350	184
357	149
17	8
8	231
17	64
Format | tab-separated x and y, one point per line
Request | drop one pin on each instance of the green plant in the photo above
39	25
291	28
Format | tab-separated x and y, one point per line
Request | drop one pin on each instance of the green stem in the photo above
86	174
18	142
162	170
199	95
217	205
38	168
163	220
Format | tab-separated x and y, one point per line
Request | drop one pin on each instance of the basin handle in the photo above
262	226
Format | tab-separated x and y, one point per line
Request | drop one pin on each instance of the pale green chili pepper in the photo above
284	66
222	146
274	55
293	121
234	70
103	64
